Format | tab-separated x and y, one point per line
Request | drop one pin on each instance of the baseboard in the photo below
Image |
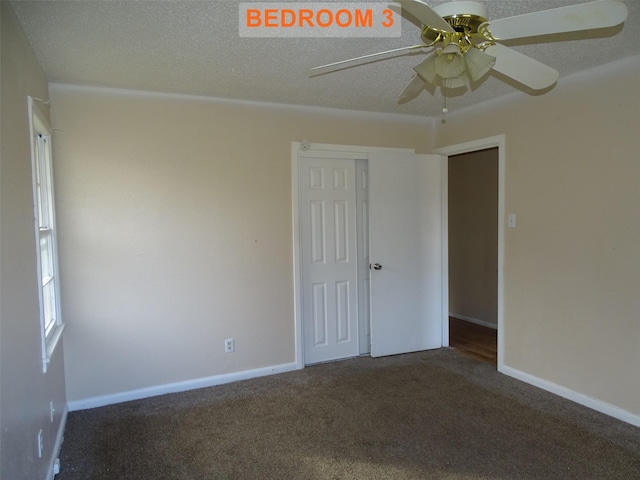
474	320
105	400
58	445
585	400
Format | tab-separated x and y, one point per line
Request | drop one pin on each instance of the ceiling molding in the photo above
283	107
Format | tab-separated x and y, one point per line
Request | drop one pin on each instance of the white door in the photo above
405	250
328	258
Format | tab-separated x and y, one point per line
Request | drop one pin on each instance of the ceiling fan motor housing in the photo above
463	16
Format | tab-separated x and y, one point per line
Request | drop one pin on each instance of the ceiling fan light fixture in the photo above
427	69
478	63
449	62
457	82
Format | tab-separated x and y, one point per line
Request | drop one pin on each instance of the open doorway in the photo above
499	142
473	253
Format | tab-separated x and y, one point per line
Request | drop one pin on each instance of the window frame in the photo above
51	324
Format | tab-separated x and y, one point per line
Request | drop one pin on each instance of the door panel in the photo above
405	226
329	258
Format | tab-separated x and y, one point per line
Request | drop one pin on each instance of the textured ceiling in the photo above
194	47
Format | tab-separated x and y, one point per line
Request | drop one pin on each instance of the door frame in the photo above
498	141
300	150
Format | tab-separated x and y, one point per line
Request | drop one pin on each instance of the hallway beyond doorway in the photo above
476	340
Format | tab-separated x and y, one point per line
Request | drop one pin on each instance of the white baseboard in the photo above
474	320
585	400
104	400
58	445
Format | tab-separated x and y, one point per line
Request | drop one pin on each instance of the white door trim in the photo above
475	145
315	149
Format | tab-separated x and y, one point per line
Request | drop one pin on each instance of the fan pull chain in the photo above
445	110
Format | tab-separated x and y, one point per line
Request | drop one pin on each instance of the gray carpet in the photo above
428	415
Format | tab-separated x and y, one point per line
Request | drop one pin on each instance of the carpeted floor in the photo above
428	415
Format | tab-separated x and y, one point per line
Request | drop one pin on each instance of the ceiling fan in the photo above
467	45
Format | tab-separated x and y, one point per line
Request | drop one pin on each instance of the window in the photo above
51	325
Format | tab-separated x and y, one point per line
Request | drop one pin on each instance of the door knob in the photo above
377	266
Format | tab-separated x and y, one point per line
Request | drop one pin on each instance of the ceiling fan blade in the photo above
584	16
364	57
412	90
425	14
521	68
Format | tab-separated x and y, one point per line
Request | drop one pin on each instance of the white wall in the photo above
25	392
572	265
175	230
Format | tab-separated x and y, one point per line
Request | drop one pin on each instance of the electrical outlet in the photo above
39	440
229	345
